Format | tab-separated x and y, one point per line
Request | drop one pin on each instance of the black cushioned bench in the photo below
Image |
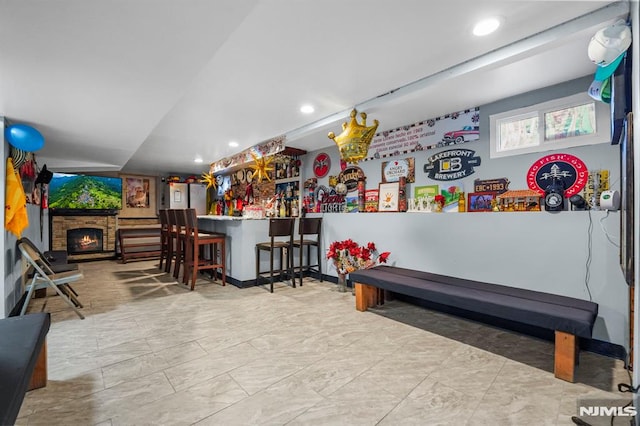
568	317
23	360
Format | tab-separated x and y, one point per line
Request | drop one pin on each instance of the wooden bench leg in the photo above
39	376
366	296
565	356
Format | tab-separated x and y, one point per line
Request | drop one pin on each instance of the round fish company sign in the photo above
568	169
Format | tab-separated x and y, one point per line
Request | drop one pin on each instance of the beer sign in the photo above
498	186
452	164
350	177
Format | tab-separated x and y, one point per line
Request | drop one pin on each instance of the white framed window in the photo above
562	123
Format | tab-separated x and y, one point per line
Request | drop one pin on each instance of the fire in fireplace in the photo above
84	240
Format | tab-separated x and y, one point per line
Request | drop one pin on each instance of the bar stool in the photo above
309	226
277	228
172	239
195	257
181	243
164	236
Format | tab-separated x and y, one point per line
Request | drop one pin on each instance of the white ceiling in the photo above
144	86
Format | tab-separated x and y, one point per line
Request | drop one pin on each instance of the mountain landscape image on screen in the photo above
85	192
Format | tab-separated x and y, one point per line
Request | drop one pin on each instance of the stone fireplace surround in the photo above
60	224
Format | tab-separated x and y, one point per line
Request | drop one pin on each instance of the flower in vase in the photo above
349	256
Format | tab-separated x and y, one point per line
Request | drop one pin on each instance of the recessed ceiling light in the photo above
198	159
233	144
486	26
307	109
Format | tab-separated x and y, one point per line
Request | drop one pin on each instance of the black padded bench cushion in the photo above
21	339
530	307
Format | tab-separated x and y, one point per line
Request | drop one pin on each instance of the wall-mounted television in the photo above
85	192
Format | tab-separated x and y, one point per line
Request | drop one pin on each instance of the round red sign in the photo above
321	165
570	170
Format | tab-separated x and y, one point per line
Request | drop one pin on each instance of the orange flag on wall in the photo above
15	202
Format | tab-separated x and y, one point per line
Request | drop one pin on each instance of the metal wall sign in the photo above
328	201
451	164
499	186
350	177
393	170
570	170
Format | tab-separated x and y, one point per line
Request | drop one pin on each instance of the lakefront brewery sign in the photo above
451	164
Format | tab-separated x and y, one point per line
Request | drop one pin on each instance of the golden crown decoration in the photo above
353	142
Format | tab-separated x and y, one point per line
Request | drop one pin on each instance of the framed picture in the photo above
426	191
137	192
480	201
388	194
138	196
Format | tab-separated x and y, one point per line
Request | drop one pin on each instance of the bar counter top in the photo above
217	217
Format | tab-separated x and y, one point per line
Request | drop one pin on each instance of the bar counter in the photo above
242	237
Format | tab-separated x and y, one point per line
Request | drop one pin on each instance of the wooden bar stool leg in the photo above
176	268
187	263
223	258
257	265
301	262
167	266
196	257
319	260
214	259
290	267
271	269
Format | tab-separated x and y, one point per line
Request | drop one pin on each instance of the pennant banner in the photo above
451	129
264	149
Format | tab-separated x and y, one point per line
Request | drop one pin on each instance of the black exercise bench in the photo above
568	317
23	360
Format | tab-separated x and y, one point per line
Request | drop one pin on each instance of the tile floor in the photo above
150	352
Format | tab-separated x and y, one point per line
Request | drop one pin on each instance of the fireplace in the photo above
68	232
84	240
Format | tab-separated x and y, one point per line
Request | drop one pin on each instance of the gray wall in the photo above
11	263
535	250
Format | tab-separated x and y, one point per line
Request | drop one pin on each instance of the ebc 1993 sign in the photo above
451	164
570	170
498	186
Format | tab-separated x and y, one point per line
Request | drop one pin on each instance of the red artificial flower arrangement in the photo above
349	256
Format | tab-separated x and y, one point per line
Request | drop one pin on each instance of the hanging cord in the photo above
627	387
605	231
622	387
587	274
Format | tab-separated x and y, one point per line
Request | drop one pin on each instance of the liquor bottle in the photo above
361	190
462	205
283	209
402	194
